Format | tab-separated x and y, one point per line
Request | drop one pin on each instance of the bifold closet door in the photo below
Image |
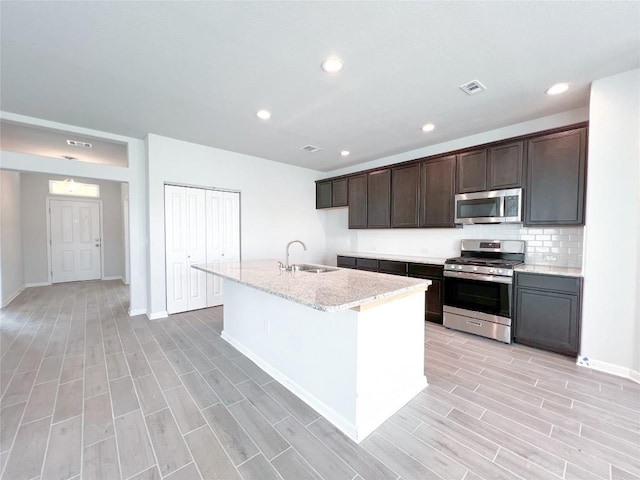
223	236
185	240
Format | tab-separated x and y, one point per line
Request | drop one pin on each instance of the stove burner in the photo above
483	262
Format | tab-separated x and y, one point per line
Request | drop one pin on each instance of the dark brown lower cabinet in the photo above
548	312
434	296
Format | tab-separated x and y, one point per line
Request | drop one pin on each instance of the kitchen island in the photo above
349	343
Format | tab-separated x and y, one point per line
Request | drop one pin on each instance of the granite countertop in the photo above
397	258
550	270
329	291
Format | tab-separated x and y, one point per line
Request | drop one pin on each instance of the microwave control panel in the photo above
511	206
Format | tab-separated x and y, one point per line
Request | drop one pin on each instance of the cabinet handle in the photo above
477	324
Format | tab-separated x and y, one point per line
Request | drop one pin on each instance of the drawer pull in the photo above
473	322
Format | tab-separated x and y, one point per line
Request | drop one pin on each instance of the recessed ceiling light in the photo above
558	88
332	64
344	153
428	127
263	114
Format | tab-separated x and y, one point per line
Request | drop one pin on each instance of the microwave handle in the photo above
501	208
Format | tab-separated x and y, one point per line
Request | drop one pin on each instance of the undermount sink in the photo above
313	268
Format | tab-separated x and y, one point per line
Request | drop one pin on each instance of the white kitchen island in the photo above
349	343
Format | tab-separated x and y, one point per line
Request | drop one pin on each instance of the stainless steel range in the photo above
478	287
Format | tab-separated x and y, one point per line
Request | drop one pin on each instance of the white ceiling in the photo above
15	137
198	71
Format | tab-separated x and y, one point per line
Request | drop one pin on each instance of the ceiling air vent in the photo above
77	143
472	87
69	157
310	148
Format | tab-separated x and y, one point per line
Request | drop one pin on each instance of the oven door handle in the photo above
479	277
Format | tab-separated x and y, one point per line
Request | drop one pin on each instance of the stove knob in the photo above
500	271
475	269
493	270
459	267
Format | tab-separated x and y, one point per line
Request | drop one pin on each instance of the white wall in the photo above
611	315
277	204
35	190
445	242
134	175
11	271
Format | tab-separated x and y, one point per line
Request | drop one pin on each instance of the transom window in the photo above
70	187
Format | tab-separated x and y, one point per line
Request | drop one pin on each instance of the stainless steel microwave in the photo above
495	206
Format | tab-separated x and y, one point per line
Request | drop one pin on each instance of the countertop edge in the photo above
395	257
422	286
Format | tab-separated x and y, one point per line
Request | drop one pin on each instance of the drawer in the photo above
367	264
392	267
548	282
421	270
346	262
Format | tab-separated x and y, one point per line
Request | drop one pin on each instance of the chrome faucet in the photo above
287	266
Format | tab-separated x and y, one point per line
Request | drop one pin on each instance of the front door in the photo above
76	241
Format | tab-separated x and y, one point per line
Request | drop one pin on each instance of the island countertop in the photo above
332	291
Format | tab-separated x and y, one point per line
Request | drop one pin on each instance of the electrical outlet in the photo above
551	258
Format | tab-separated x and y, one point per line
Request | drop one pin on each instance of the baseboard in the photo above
611	368
12	297
137	311
37	284
157	315
113	278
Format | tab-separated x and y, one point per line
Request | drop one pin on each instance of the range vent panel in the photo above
310	148
472	87
78	143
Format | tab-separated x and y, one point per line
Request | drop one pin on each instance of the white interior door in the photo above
75	239
223	236
185	241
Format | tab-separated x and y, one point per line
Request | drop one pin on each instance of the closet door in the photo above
223	236
185	241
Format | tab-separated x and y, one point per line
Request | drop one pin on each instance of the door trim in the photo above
48	215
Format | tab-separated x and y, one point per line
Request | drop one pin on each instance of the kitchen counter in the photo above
356	356
550	270
328	291
397	258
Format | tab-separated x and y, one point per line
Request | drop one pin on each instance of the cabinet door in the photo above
379	199
405	185
437	190
472	171
358	201
504	166
555	179
339	193
548	320
392	267
346	262
323	194
433	302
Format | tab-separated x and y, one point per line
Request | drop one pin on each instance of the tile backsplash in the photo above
559	247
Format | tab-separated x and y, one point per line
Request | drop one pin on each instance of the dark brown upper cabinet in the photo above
437	190
472	171
339	196
331	193
323	194
379	199
358	201
556	169
405	186
505	166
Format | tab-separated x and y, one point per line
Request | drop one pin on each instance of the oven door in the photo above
478	293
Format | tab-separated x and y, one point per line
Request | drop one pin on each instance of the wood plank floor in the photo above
88	392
